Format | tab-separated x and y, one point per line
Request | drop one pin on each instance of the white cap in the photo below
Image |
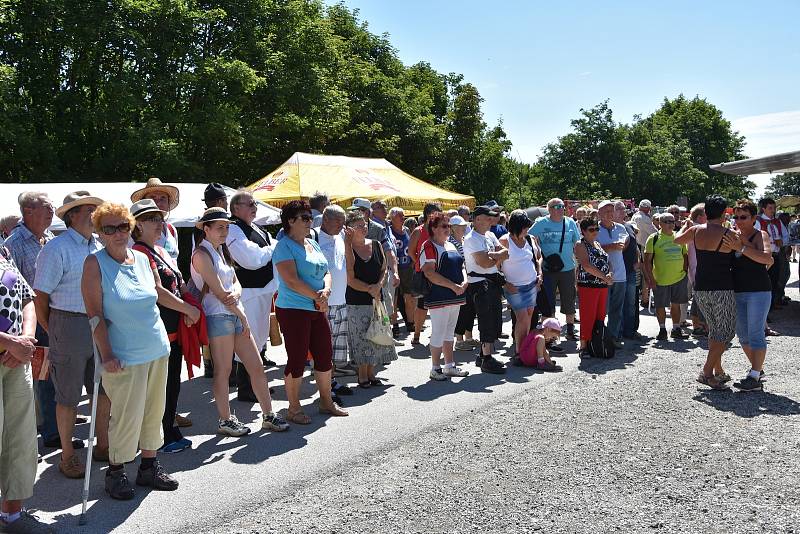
645	204
361	203
457	220
605	203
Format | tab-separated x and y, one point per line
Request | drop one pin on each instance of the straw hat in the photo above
156	185
146	205
75	199
210	215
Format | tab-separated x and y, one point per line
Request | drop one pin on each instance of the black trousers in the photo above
776	277
171	431
487	299
466	317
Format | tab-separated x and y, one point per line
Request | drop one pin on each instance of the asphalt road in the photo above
627	445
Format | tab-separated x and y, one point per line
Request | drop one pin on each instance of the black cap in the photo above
482	210
214	191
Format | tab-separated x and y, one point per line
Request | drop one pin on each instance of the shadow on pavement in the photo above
749	404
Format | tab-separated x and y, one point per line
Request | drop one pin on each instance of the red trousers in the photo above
592	307
305	332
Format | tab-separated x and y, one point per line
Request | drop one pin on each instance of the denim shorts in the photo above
223	324
524	298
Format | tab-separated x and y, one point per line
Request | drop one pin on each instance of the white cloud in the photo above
771	133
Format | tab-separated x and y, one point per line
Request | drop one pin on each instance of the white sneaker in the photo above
232	427
455	371
437	374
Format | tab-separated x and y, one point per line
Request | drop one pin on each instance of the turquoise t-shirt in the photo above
311	268
549	234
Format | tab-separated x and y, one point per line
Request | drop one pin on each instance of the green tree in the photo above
784	184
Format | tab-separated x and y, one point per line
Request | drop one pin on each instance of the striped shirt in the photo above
59	268
25	248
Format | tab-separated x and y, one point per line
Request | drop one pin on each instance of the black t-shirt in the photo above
170	280
630	255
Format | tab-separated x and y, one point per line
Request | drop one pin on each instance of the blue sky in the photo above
537	63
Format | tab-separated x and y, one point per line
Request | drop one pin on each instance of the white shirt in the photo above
250	256
211	304
763	224
475	242
519	268
333	249
644	223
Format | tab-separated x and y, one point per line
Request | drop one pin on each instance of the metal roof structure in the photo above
786	162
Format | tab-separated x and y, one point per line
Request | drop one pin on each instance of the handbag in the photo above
380	331
552	262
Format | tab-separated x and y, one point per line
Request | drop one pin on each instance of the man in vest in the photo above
779	235
251	248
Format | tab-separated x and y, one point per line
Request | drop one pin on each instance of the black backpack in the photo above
601	346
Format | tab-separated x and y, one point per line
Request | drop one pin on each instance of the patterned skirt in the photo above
362	350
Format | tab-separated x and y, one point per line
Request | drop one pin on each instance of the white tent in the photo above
190	209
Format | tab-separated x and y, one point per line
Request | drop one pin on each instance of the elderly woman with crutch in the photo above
119	290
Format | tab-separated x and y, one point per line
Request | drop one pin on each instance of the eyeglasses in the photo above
593	229
558	207
250	204
741	217
111	229
306	217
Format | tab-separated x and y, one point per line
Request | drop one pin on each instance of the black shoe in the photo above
409	328
662	334
246	396
336	399
571	332
208	369
117	485
490	365
677	333
478	360
81	420
244	388
343	390
55	443
156	478
558	350
396	331
584	354
515	361
749	383
503	336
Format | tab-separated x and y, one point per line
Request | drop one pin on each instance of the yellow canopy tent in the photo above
344	178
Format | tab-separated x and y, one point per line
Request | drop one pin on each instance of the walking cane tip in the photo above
82	520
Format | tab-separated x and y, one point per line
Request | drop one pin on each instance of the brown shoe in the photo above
182	422
72	467
99	454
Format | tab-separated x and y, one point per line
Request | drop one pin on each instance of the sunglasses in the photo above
741	217
111	229
593	229
558	207
157	219
306	217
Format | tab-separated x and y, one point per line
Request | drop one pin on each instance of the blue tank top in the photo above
135	330
450	264
401	248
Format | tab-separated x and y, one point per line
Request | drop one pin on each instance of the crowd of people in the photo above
340	280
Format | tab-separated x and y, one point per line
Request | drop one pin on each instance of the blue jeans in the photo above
616	296
630	306
751	318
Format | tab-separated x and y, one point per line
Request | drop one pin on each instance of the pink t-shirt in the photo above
529	354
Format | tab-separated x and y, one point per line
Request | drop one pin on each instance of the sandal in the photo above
298	418
711	382
334	411
375	382
366	384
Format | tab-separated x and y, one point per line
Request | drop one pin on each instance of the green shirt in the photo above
667	258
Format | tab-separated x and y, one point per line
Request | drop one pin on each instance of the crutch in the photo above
93	322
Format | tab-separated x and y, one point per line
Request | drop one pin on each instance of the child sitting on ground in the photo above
533	352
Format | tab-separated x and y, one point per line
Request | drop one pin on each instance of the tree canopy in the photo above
223	90
784	184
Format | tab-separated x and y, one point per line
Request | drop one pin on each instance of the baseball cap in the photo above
494	206
361	204
605	203
482	210
645	204
457	220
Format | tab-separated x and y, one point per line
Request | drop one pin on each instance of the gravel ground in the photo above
629	445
